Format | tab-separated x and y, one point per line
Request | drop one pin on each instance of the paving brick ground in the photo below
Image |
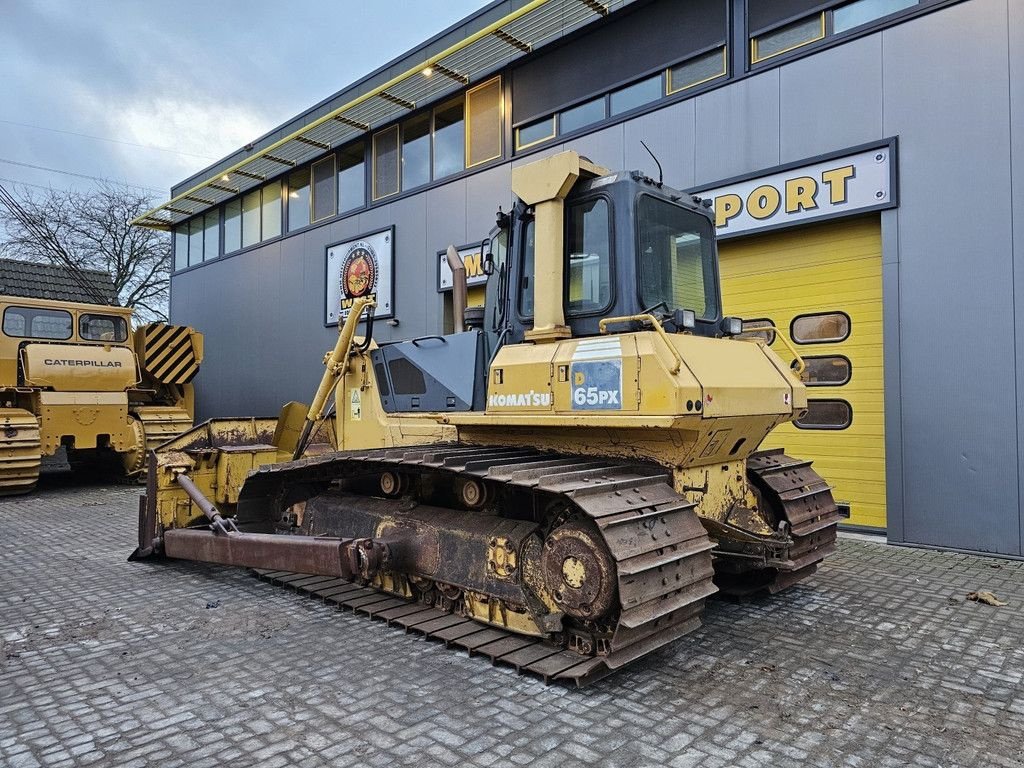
877	661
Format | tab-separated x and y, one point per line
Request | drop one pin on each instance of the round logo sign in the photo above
359	272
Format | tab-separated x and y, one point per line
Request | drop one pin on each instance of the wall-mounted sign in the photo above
363	266
472	257
855	181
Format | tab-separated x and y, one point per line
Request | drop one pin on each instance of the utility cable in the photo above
104	138
78	175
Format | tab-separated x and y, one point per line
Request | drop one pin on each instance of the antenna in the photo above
661	175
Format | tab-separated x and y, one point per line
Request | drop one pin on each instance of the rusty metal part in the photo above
661	553
20	451
472	493
393	484
807	520
579	571
341	558
208	508
527	655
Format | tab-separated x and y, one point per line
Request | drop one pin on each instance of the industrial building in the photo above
866	162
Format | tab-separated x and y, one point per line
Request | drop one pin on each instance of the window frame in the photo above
824	384
824	428
849	327
374	197
28	323
501	121
332	159
552	119
119	322
714	276
823	26
612	294
723	49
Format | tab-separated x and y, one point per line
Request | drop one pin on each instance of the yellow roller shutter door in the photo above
828	278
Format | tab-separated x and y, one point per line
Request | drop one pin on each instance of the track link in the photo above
800	497
20	451
661	552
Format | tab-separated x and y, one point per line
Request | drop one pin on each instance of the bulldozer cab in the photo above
631	246
581	245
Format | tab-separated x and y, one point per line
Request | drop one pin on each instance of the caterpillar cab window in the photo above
102	328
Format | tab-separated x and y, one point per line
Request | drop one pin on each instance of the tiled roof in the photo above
48	281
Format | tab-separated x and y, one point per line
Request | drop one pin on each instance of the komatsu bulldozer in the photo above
562	482
75	378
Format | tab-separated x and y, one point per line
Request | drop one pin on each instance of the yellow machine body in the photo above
76	376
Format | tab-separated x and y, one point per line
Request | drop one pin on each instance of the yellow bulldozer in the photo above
561	483
75	377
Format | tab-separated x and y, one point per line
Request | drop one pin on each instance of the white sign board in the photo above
360	267
472	257
839	186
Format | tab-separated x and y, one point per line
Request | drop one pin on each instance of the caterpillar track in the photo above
801	501
20	451
643	559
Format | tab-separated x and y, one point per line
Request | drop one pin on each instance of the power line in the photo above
78	175
104	138
30	184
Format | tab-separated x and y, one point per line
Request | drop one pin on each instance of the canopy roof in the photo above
470	60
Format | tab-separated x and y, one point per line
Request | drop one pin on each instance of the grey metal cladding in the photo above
960	435
1016	61
670	135
662	32
737	128
815	116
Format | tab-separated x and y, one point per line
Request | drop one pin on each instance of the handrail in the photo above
801	365
655	323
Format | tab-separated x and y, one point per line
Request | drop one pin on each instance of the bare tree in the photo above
91	230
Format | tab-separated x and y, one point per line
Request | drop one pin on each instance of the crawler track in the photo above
20	457
798	496
660	550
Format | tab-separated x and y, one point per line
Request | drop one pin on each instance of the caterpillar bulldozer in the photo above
559	484
75	378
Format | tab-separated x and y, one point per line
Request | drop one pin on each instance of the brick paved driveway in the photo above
877	661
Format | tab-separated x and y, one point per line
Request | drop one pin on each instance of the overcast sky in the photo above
199	78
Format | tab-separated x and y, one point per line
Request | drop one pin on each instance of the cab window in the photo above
587	262
588	268
677	258
34	323
102	328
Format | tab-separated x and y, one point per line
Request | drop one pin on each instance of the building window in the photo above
820	328
211	235
251	218
826	414
233	226
352	177
699	69
416	151
535	132
484	122
865	11
636	95
181	246
787	38
582	115
826	371
271	211
324	189
298	199
385	162
195	241
449	138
